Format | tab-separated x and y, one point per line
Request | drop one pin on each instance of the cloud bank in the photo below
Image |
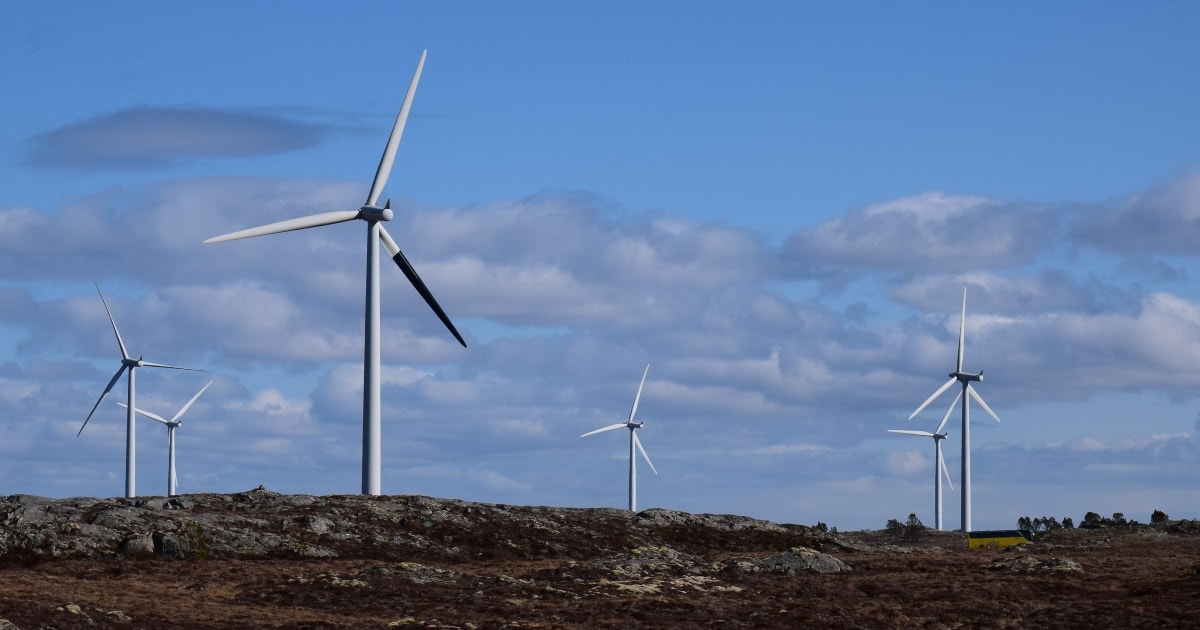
761	387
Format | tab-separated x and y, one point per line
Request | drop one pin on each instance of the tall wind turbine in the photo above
967	393
172	424
634	443
939	464
131	364
374	216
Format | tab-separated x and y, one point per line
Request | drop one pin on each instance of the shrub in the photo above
911	530
1159	516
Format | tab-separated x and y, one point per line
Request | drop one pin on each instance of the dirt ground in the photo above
1078	579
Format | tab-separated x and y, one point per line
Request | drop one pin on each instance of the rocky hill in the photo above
261	559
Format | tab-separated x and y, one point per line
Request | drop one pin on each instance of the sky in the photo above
775	205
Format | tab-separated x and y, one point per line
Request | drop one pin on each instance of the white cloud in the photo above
585	298
1164	220
907	463
930	232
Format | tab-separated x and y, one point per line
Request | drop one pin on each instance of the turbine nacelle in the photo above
967	377
374	213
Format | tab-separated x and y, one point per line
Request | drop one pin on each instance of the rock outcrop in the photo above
264	524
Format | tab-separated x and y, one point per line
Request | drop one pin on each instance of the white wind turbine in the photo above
374	216
634	443
172	424
131	364
939	465
967	393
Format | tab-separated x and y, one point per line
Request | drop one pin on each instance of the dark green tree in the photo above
913	528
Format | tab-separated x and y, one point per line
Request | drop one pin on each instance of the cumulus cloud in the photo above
1161	221
930	232
152	137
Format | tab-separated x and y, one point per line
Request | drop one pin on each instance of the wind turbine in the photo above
967	393
939	466
131	364
374	216
172	424
634	443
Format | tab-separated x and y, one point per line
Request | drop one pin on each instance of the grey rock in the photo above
796	560
730	522
315	524
170	545
137	546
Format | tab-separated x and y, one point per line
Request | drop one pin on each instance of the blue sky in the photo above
775	205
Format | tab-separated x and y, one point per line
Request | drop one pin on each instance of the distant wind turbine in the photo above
374	216
939	464
131	364
967	393
634	443
172	424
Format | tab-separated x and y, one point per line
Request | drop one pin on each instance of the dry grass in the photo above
1128	580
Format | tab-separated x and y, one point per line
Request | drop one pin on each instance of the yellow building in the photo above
997	538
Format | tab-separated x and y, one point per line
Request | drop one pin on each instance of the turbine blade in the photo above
111	382
642	450
124	353
389	151
978	399
411	273
949	411
607	428
962	330
148	414
945	471
184	409
933	397
639	393
907	432
169	367
315	220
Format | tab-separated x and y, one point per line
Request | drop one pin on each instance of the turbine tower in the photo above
967	393
131	364
374	216
939	464
172	424
634	443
